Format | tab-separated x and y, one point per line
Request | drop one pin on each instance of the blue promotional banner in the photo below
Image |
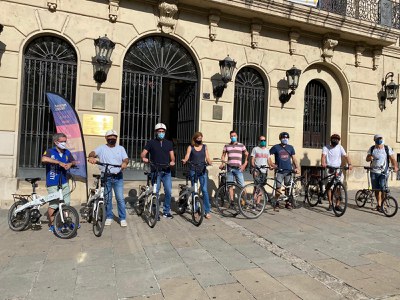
67	122
312	3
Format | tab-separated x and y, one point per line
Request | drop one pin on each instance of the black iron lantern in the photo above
226	66
104	48
389	91
292	77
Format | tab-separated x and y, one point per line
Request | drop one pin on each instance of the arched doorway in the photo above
315	120
50	65
159	85
249	106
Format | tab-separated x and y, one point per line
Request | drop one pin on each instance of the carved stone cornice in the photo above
213	20
255	33
293	37
328	46
376	57
113	8
167	12
359	50
52	5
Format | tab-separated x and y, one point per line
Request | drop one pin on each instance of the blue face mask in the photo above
233	139
285	141
263	143
161	135
379	142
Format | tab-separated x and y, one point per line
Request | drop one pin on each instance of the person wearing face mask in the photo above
260	156
57	160
161	152
111	153
197	153
331	156
284	155
379	156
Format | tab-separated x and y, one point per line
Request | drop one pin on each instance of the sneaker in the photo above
72	226
276	207
51	228
338	208
288	205
232	205
168	216
108	222
207	216
123	223
329	208
158	218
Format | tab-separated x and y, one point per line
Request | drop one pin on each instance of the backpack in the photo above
386	150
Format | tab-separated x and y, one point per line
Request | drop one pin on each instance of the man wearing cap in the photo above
331	156
161	152
379	156
111	153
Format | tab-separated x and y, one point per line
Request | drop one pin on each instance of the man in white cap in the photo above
379	156
111	153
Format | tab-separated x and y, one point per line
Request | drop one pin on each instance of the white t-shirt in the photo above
260	157
380	159
111	155
333	155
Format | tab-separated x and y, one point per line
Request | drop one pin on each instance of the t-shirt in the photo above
333	155
159	151
235	154
380	159
111	155
53	171
283	156
260	157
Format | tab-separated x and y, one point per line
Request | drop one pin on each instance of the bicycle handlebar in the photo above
107	165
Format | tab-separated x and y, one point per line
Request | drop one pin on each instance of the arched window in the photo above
249	106
315	115
50	65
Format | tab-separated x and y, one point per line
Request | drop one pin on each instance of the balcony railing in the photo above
382	12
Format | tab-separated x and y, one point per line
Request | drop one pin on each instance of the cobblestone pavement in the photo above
306	253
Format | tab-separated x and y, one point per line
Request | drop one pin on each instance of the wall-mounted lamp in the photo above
104	48
388	92
292	76
227	66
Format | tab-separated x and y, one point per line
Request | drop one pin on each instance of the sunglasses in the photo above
263	140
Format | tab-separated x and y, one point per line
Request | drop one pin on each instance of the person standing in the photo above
379	155
161	152
260	156
197	153
331	156
285	159
57	160
111	153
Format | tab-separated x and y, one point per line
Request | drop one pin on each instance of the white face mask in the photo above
62	145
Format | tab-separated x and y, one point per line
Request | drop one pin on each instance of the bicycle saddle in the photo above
32	180
97	176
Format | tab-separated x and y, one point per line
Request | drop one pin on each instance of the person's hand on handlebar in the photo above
92	160
172	163
145	160
184	161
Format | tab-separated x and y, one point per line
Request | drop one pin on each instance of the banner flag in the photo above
312	3
67	122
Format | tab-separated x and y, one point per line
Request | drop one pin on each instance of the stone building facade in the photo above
165	67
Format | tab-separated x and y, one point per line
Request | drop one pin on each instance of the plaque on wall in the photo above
217	112
97	124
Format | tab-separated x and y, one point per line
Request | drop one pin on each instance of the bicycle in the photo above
95	209
148	199
389	203
315	191
227	194
25	210
293	190
189	198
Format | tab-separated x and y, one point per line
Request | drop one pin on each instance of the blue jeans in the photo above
116	184
165	178
203	178
378	181
235	175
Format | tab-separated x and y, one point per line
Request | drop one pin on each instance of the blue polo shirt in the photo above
159	150
53	171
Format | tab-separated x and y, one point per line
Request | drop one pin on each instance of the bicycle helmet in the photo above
335	136
283	135
160	126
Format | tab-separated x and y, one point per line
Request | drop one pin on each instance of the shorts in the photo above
282	178
66	193
378	181
235	175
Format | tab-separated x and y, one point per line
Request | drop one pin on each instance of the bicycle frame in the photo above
288	188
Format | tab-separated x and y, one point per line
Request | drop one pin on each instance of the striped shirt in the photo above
235	153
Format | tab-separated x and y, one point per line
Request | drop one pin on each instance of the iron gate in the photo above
249	107
49	66
315	115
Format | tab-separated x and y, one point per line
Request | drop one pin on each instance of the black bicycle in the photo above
316	191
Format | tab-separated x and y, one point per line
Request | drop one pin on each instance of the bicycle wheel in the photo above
361	198
389	206
98	223
299	187
312	193
339	199
252	201
197	210
227	204
151	210
139	205
182	203
21	220
68	228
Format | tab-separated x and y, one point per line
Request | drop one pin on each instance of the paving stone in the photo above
234	291
374	287
385	259
182	288
16	285
210	274
276	267
100	293
131	284
340	270
195	255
